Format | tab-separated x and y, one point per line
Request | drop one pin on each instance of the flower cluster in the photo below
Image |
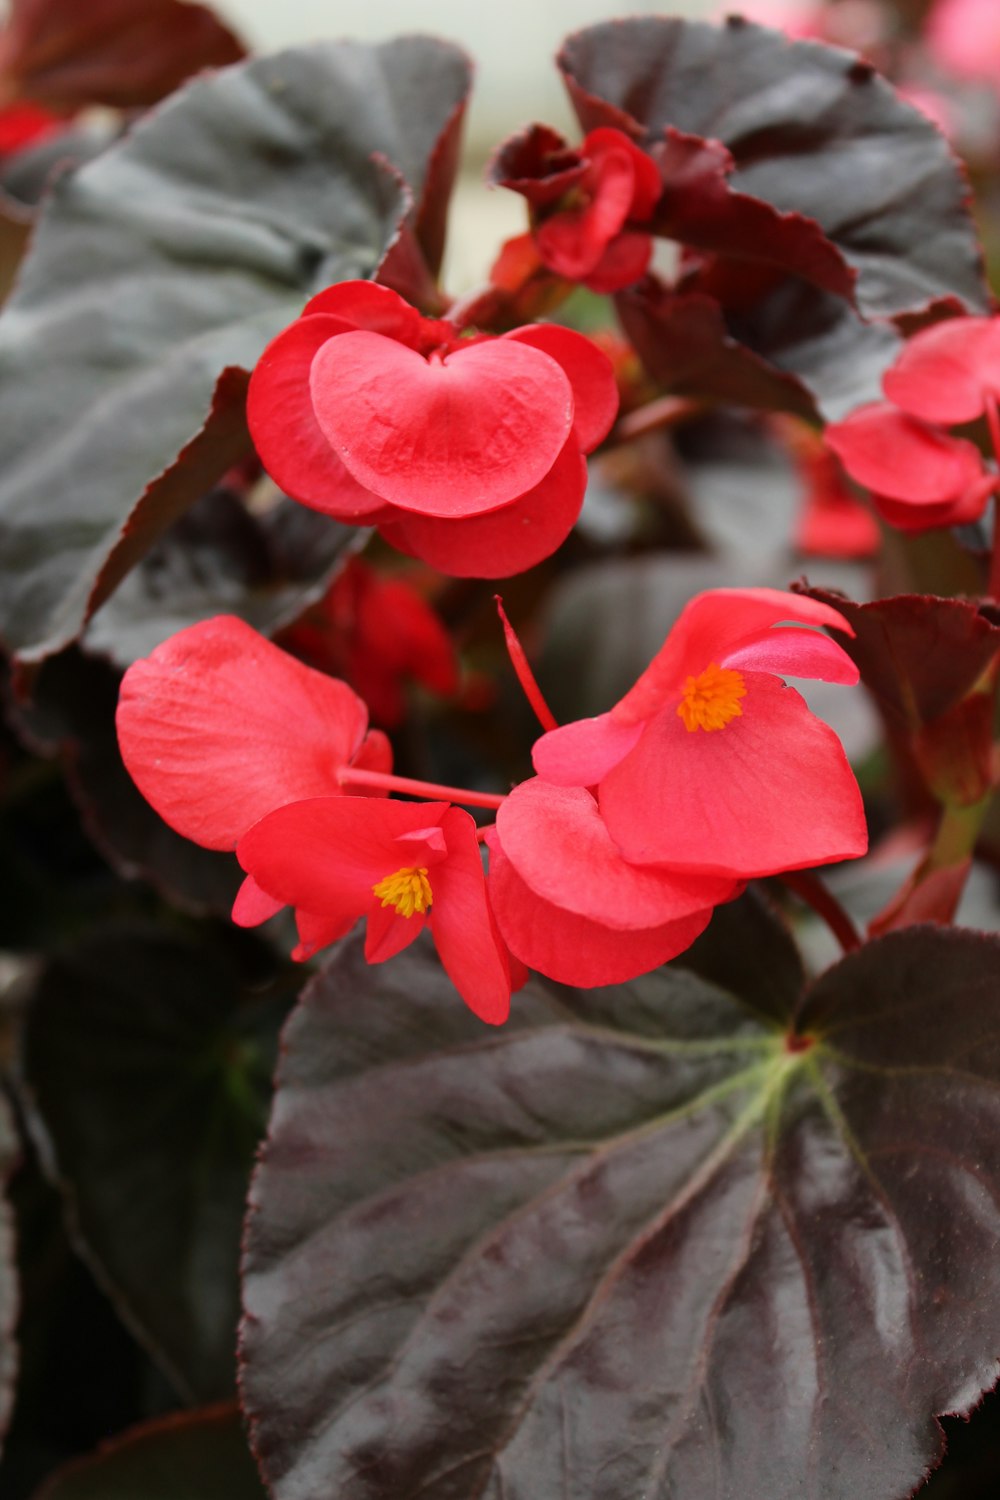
587	205
607	863
920	474
464	451
708	772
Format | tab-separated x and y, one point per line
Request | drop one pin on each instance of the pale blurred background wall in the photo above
512	42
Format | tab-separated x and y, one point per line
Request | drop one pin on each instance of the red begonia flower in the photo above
832	522
710	764
578	950
366	410
376	633
586	203
217	727
401	865
568	903
919	474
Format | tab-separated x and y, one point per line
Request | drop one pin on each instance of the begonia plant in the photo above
473	1046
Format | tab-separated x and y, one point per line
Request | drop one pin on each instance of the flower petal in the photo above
388	932
582	753
253	906
589	372
316	932
365	304
452	436
284	429
462	925
771	791
557	842
789	652
217	727
577	950
506	541
325	855
709	628
944	373
902	457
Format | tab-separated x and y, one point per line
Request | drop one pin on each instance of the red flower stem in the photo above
525	675
993	417
385	781
815	894
667	411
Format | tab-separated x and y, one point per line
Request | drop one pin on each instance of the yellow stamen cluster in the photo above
712	698
408	890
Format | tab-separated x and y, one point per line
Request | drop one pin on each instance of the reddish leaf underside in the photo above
633	1243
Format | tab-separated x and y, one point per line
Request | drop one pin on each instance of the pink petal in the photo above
506	541
789	652
582	753
284	429
450	437
572	241
577	950
969	506
557	842
709	628
771	791
253	906
364	304
589	372
624	262
462	925
945	372
316	932
326	854
647	181
388	932
218	727
900	456
375	754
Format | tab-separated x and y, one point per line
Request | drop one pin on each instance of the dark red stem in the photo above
815	894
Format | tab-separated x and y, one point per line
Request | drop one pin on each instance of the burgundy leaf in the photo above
653	1240
65	55
818	140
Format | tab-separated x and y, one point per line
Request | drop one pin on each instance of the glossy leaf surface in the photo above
176	254
816	138
635	1243
148	1060
73	715
200	1455
221	559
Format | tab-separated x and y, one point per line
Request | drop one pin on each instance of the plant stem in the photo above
666	411
815	894
525	676
385	781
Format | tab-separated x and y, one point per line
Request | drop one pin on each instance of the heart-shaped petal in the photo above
285	433
450	436
505	541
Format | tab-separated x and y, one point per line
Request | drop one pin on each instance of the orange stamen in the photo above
408	890
712	698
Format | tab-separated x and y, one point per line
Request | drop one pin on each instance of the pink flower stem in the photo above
525	675
385	781
815	894
993	418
